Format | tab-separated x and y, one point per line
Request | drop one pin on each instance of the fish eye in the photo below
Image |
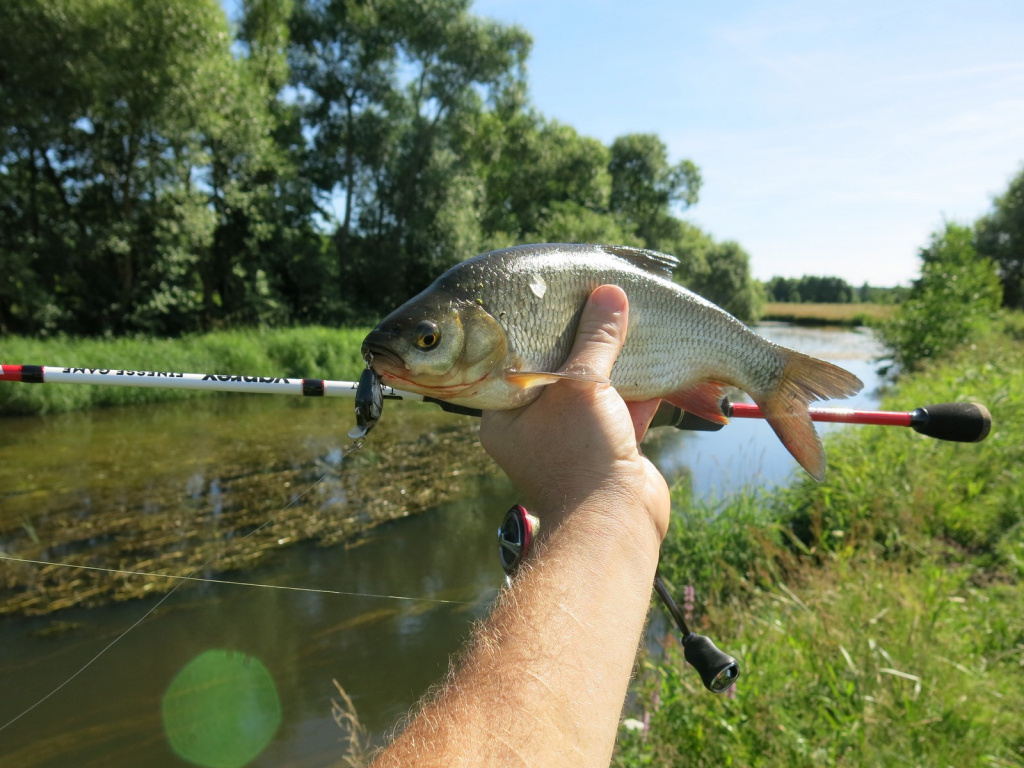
427	335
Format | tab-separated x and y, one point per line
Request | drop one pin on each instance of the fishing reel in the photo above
515	536
718	670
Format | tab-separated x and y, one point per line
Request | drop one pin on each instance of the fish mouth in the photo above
379	356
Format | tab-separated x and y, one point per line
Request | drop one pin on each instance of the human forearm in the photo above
545	677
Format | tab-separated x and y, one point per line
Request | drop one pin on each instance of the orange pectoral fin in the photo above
702	399
530	379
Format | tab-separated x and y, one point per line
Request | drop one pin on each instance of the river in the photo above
255	490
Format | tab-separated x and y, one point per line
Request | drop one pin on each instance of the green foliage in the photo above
819	290
889	491
393	92
645	187
720	272
311	352
727	281
952	303
1000	237
811	289
876	617
158	177
864	664
139	169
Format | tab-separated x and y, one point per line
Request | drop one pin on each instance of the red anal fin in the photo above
702	399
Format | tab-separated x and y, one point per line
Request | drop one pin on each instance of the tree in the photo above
952	302
1000	237
542	180
157	177
726	281
140	150
394	90
645	187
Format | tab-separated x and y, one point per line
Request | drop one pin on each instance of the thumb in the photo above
602	331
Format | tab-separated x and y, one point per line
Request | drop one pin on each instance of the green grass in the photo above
878	617
826	314
312	352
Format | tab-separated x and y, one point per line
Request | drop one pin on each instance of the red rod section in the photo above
841	415
10	373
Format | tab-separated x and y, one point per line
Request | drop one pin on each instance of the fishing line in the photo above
13	559
192	577
166	597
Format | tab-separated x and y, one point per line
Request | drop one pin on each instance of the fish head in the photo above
437	345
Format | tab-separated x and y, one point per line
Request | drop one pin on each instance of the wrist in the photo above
608	522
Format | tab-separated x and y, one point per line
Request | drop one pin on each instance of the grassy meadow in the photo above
878	618
827	314
311	352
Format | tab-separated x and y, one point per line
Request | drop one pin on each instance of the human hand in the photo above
578	443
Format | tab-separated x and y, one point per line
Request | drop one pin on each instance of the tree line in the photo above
993	243
829	290
164	172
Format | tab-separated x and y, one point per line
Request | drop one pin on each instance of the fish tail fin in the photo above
804	380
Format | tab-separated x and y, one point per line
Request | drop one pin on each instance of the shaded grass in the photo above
866	662
312	352
878	616
826	314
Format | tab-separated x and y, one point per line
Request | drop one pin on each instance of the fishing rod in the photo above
956	422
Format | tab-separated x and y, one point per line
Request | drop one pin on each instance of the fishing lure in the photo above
369	403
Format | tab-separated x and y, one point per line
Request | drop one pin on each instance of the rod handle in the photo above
957	422
669	415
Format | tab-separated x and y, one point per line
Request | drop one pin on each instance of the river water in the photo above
255	490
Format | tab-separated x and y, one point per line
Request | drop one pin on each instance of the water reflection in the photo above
167	486
173	489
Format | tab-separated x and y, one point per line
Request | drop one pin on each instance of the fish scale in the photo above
491	331
662	336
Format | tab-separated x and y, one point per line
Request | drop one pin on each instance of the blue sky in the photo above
833	137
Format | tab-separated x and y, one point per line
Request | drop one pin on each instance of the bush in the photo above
954	301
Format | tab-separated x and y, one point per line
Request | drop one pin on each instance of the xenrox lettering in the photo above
249	379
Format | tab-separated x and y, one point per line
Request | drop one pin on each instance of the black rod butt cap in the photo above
717	670
957	422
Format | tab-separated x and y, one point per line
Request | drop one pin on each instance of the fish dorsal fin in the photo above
660	264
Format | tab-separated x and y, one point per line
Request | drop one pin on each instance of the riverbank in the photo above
309	351
852	315
876	617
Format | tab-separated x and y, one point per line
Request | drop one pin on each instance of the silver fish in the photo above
491	331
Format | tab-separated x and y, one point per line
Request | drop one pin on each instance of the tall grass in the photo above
878	617
313	352
826	314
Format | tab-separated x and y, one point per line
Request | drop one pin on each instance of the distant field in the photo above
826	314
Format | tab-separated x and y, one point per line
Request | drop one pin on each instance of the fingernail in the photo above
609	298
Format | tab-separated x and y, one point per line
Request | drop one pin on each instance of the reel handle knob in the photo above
717	669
